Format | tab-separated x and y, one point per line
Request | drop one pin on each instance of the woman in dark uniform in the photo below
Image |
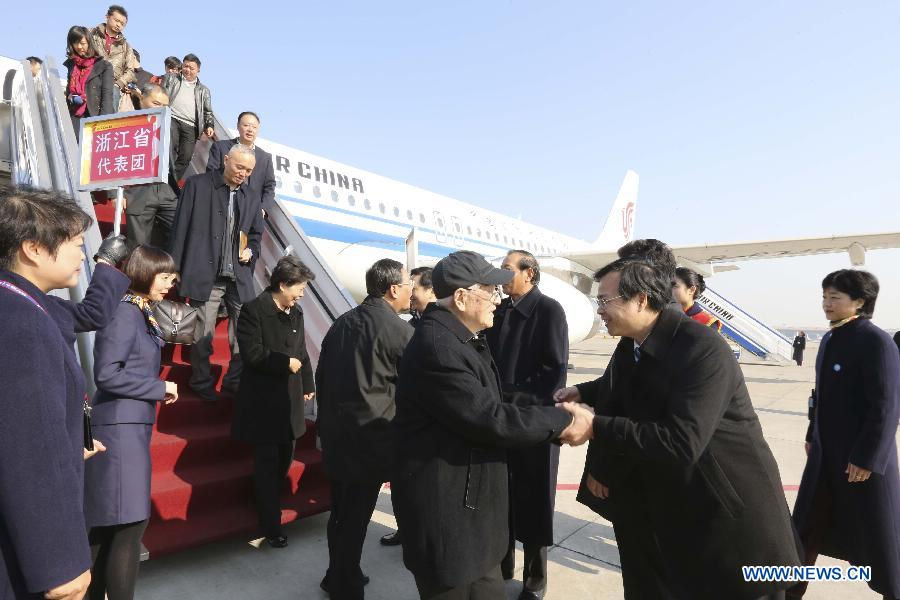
848	505
126	370
688	285
276	380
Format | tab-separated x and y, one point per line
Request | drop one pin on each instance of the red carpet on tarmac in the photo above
201	487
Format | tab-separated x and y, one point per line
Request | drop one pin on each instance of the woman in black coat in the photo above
276	380
89	84
848	505
126	371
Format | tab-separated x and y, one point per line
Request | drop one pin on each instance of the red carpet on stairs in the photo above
201	487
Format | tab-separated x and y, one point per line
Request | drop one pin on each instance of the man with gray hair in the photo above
150	208
453	427
218	229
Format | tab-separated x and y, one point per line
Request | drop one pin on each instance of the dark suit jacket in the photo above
530	344
262	180
98	89
453	428
855	421
126	370
43	540
356	379
197	237
270	407
681	449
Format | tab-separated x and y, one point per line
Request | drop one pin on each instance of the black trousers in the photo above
488	587
352	505
152	225
270	466
116	555
182	139
534	571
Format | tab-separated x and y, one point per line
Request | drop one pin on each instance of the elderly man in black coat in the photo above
261	183
530	344
356	378
678	460
454	426
218	228
43	540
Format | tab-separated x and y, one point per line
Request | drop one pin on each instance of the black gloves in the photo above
113	250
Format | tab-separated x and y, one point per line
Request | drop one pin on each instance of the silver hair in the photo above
241	149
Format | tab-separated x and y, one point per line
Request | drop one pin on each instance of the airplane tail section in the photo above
619	227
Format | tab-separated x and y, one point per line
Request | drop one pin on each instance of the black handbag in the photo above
176	320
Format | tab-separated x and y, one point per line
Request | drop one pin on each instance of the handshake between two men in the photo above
582	427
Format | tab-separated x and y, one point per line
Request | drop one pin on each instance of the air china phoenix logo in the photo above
628	220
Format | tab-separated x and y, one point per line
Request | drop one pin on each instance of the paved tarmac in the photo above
584	563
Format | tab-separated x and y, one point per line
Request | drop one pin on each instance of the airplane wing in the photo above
706	256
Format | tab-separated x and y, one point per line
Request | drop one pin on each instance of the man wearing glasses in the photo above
355	379
454	426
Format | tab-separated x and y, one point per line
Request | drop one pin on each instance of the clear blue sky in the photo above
761	121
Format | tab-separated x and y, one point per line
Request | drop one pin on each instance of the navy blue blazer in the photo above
43	541
262	180
126	370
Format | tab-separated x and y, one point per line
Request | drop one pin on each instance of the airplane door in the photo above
441	228
456	232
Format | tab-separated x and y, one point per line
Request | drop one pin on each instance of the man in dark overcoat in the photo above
356	378
530	344
799	346
454	426
261	183
43	539
218	229
678	451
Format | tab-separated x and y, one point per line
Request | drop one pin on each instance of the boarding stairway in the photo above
201	489
746	330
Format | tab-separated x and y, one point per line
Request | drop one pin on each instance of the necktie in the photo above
637	353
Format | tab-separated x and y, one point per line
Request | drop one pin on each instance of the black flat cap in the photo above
464	269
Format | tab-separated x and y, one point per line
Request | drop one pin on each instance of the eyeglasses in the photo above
495	295
604	301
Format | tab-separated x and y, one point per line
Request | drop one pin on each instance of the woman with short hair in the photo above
276	380
848	505
126	371
688	285
89	84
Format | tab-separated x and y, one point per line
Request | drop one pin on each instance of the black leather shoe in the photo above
207	394
324	583
277	542
529	595
391	539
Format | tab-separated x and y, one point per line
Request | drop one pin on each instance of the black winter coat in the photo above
530	344
855	421
98	89
270	406
198	230
43	539
681	449
262	180
799	346
356	378
454	426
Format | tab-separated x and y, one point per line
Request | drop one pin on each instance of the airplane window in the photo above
381	207
396	211
421	217
469	229
457	227
409	215
505	240
350	200
278	182
497	237
334	196
367	204
478	232
317	192
297	187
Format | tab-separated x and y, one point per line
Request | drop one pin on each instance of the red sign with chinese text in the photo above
124	149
